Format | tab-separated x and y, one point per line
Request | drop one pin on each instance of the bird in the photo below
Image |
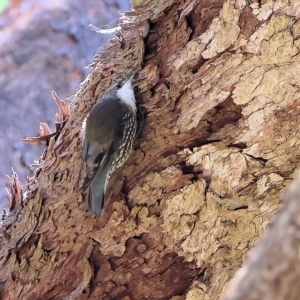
109	133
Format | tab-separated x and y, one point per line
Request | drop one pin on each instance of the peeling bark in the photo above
219	83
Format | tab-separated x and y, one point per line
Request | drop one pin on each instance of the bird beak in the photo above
128	80
132	75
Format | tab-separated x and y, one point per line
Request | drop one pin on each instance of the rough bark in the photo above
219	83
272	271
44	46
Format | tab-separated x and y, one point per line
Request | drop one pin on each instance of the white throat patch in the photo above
126	94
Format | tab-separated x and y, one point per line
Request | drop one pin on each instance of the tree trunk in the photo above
273	270
219	84
44	46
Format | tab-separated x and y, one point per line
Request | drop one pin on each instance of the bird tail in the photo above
97	190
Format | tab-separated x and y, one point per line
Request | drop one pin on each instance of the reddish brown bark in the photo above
219	83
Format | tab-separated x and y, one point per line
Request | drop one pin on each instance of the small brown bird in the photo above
110	131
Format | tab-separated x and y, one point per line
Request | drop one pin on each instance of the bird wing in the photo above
95	156
102	139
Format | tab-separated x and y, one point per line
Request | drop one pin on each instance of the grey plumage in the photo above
109	135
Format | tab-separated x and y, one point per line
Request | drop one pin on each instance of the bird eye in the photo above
119	85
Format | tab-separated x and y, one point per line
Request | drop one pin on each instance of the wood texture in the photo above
273	267
219	83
